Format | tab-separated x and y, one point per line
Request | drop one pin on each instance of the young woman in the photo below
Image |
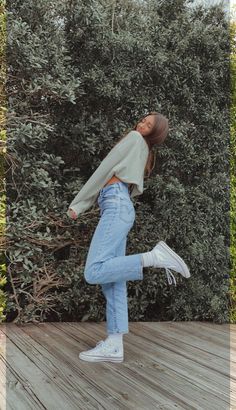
106	264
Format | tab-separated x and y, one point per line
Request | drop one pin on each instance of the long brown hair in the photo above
157	136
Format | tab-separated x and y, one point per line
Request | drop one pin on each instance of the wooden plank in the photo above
127	393
221	327
16	391
175	341
210	334
225	330
178	363
167	338
200	330
190	339
146	391
57	367
45	392
168	365
148	368
148	386
13	388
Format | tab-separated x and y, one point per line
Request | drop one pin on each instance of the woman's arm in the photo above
120	157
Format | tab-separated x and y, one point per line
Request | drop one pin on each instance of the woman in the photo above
106	264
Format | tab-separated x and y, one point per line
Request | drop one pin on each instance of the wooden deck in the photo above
167	365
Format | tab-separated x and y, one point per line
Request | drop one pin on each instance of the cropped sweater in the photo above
126	160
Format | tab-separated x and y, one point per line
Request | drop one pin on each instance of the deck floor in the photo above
167	365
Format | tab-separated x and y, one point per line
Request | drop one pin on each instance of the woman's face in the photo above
145	126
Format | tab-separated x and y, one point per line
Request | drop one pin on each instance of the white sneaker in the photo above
166	258
104	351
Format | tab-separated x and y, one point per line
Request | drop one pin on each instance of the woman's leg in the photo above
116	301
102	264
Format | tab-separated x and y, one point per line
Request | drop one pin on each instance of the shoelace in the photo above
103	343
170	276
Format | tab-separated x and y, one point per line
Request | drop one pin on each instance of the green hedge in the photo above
233	176
81	73
2	159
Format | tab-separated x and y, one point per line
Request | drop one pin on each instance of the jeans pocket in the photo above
127	211
109	203
108	192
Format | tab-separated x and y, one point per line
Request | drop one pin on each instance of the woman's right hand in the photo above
72	213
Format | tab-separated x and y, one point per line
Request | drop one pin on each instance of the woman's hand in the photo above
72	213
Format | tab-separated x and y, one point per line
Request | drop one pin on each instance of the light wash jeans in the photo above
106	263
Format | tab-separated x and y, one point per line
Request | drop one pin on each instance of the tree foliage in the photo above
80	74
2	158
233	175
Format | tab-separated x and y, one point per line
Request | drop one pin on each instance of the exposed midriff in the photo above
114	179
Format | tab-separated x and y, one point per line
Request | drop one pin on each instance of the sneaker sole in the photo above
101	359
186	273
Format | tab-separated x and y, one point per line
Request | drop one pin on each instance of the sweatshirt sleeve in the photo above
125	152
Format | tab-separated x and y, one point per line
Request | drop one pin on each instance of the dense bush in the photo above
80	74
233	176
2	157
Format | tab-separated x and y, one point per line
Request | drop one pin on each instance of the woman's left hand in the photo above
72	213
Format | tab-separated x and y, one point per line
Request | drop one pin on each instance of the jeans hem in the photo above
119	331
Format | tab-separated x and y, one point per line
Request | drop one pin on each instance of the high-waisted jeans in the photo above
106	263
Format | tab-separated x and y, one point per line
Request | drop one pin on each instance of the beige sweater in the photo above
126	160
